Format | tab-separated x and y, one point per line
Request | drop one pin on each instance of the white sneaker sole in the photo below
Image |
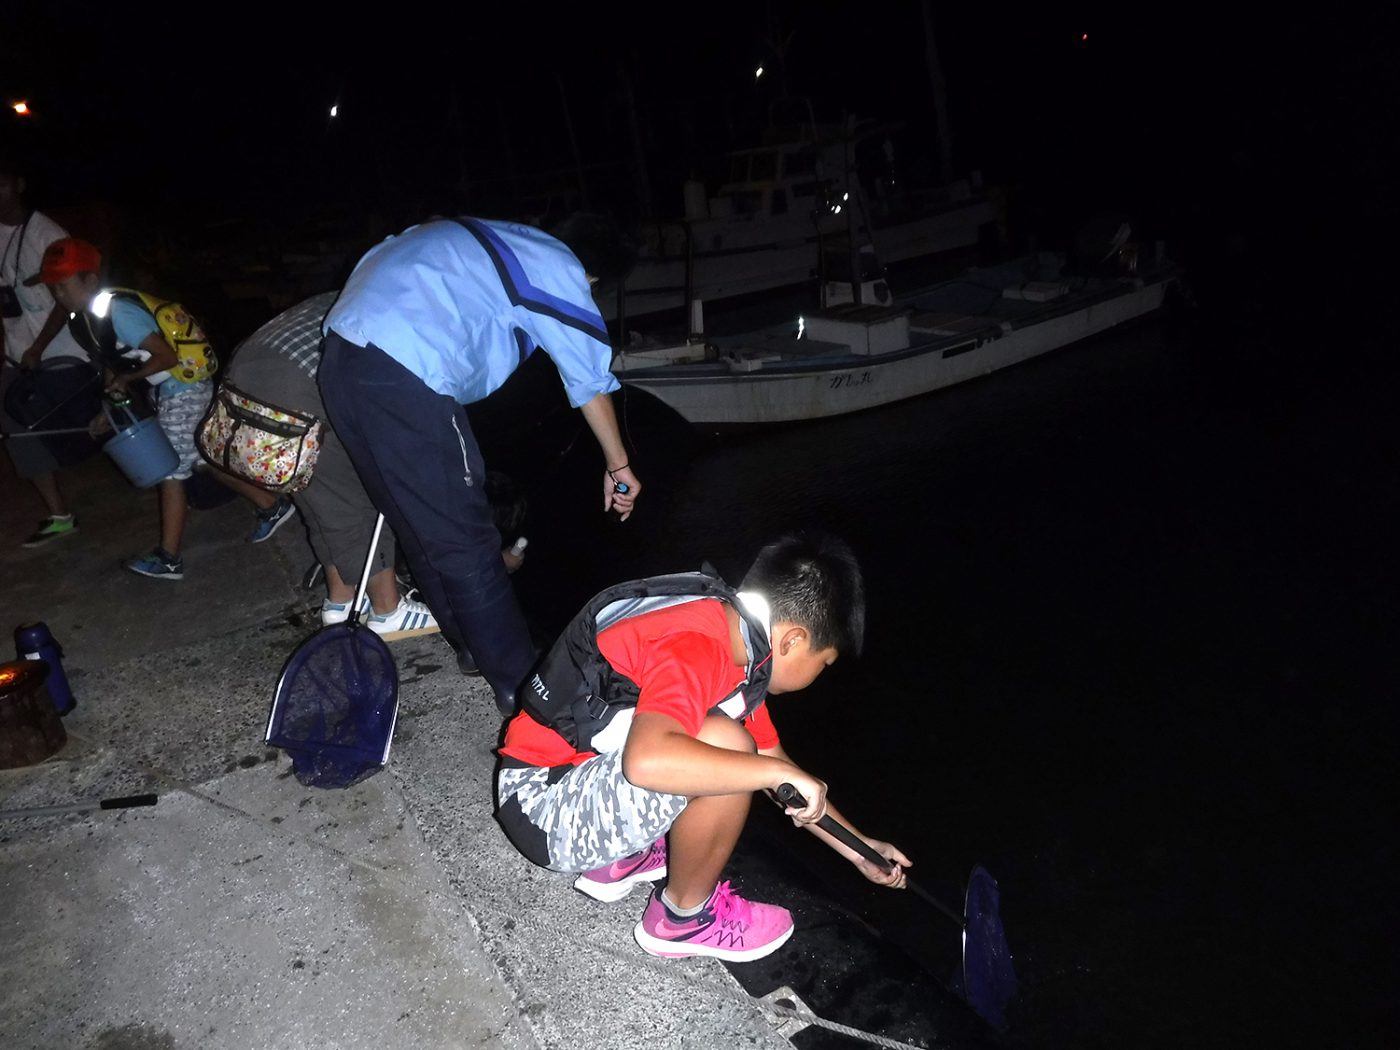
612	892
30	545
666	949
394	636
330	619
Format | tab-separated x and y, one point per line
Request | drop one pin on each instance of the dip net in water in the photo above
989	975
335	706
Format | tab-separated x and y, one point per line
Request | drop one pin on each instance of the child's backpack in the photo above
197	360
575	691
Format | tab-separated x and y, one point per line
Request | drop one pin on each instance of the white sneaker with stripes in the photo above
339	612
409	620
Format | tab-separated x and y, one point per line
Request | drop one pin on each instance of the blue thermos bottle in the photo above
34	642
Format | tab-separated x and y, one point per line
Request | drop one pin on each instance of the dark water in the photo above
1131	612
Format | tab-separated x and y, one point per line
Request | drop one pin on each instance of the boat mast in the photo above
573	139
851	180
940	100
638	152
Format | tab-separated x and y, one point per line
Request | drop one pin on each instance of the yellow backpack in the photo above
197	360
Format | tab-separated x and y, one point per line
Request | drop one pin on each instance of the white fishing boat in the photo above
807	187
855	355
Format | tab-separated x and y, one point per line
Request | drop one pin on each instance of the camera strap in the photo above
14	274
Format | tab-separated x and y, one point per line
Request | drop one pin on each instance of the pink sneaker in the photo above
728	927
614	881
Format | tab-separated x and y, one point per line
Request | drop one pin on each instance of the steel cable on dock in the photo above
798	1013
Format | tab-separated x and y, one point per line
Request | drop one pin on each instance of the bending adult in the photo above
278	364
436	318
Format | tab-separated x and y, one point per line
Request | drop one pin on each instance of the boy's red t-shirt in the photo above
681	660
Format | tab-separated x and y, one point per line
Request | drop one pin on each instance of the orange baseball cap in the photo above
63	258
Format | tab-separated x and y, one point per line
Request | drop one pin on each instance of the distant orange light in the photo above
21	107
7	676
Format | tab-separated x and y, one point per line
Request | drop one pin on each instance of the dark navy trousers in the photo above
419	461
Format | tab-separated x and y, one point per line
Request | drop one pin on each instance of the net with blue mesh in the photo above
989	976
59	395
335	706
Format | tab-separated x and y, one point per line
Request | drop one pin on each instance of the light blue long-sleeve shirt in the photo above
462	304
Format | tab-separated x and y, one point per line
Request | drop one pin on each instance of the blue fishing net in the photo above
988	974
62	393
335	706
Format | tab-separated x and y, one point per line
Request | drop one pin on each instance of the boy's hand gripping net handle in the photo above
989	979
790	796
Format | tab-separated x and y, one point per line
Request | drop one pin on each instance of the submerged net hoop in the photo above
986	979
989	978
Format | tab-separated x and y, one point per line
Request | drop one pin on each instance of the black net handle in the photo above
124	802
790	796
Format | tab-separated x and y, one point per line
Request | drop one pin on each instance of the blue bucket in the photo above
142	451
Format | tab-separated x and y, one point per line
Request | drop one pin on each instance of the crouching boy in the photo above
644	733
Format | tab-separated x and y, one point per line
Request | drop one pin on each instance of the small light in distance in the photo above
335	111
758	72
21	107
801	326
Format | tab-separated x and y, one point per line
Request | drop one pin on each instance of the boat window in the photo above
837	265
779	205
804	189
765	166
747	203
795	164
739	168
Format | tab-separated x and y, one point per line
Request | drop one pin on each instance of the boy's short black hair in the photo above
813	579
606	252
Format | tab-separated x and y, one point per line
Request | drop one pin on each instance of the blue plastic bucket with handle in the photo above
141	449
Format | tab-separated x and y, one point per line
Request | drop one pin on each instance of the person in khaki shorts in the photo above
278	364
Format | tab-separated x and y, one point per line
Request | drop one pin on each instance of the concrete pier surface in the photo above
245	910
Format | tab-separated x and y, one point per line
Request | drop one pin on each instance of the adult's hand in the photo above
598	414
30	359
512	560
613	499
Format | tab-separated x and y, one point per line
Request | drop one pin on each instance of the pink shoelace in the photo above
729	906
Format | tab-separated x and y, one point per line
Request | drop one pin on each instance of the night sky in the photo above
1170	110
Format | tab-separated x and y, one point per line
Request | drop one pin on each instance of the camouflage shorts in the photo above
180	414
576	818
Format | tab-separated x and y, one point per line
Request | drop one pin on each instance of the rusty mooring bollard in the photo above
30	729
